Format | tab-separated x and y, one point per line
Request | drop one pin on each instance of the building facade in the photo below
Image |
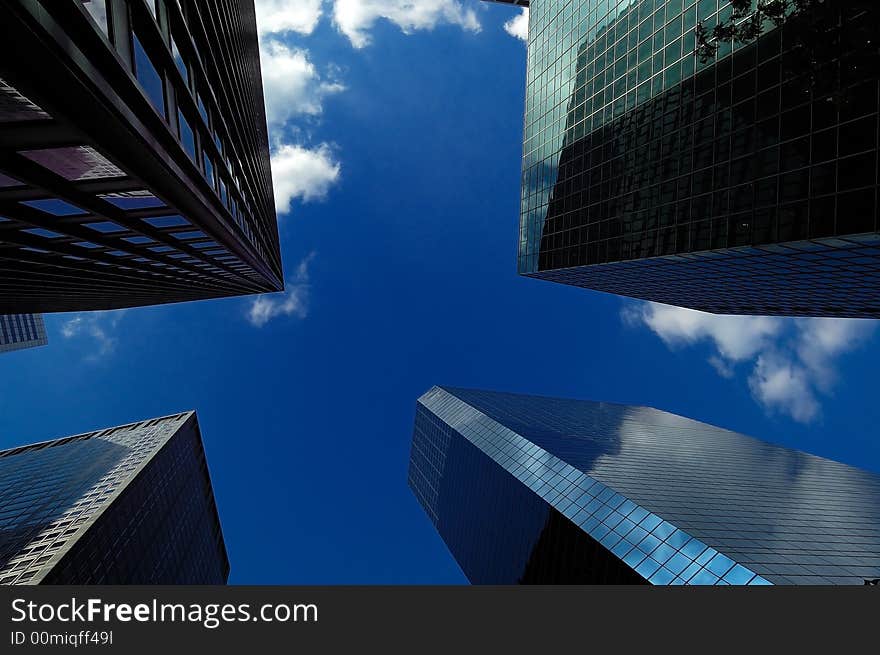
743	185
527	489
134	159
20	331
126	505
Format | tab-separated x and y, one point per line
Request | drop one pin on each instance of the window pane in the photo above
149	77
187	138
202	110
98	11
209	170
178	60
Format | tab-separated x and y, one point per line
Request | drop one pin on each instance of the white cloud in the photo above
303	173
781	385
724	368
291	84
736	337
293	301
278	16
355	18
821	340
518	26
294	88
99	327
793	361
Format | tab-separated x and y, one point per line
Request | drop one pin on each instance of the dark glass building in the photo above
134	159
126	505
20	331
743	185
526	489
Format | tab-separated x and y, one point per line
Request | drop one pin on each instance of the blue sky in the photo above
396	130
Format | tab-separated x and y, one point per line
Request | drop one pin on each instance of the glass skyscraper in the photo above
19	331
527	489
126	505
744	185
134	158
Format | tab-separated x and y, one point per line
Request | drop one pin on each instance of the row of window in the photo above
173	225
727	130
66	497
786	284
167	95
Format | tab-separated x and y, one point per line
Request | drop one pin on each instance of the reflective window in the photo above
6	181
98	11
105	227
179	61
187	138
75	163
54	207
202	109
40	232
209	169
167	221
135	202
195	234
148	76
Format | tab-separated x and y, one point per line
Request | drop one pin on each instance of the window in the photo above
136	202
74	163
5	181
195	234
148	77
179	61
40	232
106	227
54	207
187	138
209	169
203	110
98	11
167	221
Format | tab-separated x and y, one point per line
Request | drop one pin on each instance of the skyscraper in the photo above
744	185
527	489
19	331
126	505
134	160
